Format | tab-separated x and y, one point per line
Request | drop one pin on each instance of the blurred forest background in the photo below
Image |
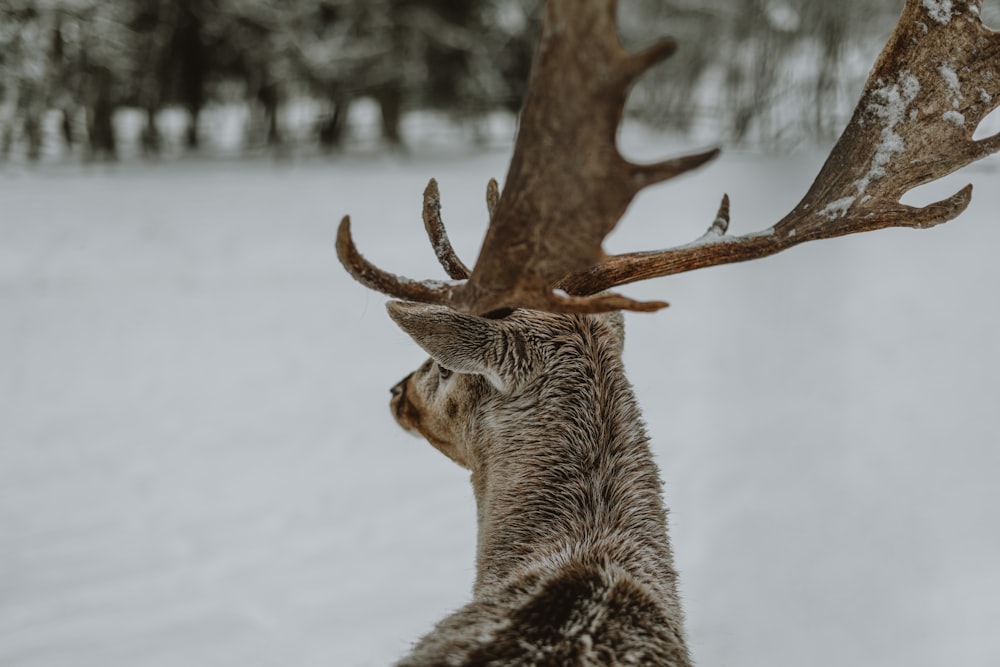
105	79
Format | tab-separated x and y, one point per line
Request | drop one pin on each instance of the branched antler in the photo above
934	82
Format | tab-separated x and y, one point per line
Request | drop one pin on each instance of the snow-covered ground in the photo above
198	467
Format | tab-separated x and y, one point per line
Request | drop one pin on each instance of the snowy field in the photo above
198	466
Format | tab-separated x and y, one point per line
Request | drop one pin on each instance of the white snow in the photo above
838	208
782	16
939	10
955	96
954	117
889	103
950	77
714	235
198	466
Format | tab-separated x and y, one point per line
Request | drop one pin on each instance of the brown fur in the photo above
573	564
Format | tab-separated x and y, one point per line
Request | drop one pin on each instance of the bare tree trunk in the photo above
834	25
33	133
30	110
189	46
332	125
390	101
152	141
154	78
270	98
192	140
100	125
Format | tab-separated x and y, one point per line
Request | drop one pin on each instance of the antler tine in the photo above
936	79
492	197
446	255
720	225
372	277
647	174
636	63
598	303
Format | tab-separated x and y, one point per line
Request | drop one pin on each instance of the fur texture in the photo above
573	562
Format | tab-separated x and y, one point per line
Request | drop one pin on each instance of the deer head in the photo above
478	365
567	186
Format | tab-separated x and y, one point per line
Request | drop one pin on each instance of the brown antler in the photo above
936	79
567	185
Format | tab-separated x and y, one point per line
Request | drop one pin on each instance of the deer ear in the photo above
459	342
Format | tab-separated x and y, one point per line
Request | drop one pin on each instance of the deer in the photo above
525	385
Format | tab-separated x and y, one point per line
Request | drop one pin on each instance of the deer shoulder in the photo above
573	562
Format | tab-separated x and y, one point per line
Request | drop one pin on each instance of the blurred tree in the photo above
761	70
38	63
408	54
166	61
24	58
249	46
100	65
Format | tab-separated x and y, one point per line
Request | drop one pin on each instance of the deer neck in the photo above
568	476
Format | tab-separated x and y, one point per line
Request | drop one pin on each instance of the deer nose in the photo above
397	389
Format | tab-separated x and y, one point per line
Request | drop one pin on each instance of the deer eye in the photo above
443	373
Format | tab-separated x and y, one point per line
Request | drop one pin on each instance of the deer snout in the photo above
398	401
397	389
404	413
